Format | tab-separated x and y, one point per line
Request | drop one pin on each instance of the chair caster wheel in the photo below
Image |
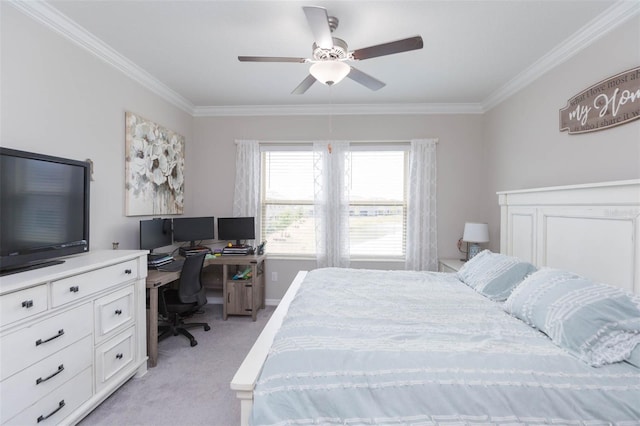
193	343
207	328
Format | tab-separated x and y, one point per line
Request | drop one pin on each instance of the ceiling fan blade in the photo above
411	43
270	59
319	22
365	79
302	87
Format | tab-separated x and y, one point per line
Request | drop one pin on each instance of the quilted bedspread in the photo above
400	347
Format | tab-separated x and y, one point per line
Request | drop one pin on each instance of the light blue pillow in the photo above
494	275
597	323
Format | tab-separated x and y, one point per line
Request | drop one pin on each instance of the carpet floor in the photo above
190	385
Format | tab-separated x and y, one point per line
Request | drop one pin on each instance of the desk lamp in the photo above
475	233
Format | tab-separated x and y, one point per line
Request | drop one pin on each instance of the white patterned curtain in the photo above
246	196
331	203
422	248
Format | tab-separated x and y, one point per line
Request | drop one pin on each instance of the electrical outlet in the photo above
274	276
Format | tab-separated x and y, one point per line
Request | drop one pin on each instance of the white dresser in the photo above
70	335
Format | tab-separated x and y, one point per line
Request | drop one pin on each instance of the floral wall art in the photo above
154	168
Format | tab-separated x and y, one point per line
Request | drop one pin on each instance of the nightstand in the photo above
450	265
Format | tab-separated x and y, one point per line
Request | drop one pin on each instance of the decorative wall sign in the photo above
154	168
609	103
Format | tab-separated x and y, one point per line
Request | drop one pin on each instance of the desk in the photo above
157	279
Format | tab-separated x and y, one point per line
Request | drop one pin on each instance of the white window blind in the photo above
287	202
377	207
377	204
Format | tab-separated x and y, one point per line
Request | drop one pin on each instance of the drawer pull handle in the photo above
119	356
58	371
27	304
118	311
60	405
40	341
127	271
74	289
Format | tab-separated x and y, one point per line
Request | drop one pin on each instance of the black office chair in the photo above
183	302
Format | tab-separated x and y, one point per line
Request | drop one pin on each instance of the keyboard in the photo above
174	266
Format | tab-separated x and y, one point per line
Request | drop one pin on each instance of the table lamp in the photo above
475	233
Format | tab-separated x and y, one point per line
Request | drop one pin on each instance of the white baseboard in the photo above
217	300
214	300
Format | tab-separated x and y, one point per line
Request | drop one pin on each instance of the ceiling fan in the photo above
329	54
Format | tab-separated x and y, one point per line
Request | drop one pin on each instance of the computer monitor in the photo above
236	228
155	233
193	229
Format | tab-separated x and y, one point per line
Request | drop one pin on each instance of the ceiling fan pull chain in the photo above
330	114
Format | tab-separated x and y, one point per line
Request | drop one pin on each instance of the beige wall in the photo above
60	100
461	176
525	149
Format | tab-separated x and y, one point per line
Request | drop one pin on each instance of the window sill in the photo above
356	260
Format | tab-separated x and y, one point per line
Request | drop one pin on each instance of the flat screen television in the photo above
236	228
44	209
192	229
155	233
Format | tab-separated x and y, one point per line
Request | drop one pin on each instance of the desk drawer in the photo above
22	304
26	387
54	407
114	356
82	285
41	339
112	311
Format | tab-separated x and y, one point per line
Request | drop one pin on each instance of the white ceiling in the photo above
474	51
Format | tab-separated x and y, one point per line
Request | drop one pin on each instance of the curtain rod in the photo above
274	142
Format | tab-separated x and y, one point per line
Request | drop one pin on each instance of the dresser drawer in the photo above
26	387
112	311
22	304
79	337
114	356
82	285
42	338
54	407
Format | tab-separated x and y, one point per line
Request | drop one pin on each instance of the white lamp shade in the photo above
329	72
476	232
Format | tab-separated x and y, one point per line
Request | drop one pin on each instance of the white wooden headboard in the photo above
592	230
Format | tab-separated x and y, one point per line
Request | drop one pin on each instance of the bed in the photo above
352	346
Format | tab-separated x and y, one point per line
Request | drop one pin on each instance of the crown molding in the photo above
611	18
336	109
49	16
614	16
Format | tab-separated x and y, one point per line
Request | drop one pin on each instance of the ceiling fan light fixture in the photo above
329	72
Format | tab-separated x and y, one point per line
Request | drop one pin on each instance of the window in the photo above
287	202
377	206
